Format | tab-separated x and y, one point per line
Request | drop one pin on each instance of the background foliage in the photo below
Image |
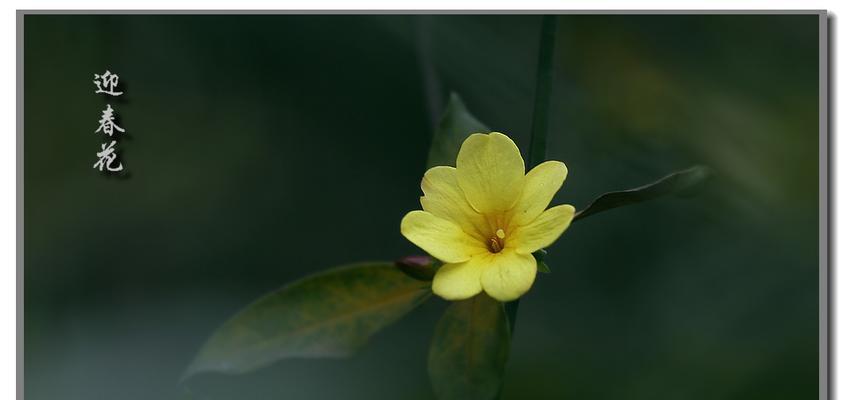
265	148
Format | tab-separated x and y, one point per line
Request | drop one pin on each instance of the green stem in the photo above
541	116
544	87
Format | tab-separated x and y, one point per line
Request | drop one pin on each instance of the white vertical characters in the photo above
107	124
107	157
106	83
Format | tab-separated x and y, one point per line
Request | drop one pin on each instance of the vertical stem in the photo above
541	114
544	86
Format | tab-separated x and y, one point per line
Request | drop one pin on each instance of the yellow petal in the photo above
540	184
543	230
439	237
444	199
509	275
490	172
458	281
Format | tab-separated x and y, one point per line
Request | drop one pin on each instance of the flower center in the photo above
496	242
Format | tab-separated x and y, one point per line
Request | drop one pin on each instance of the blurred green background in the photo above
264	148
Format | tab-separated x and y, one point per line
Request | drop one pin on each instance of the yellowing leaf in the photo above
330	314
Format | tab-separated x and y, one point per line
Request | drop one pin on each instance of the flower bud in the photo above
419	267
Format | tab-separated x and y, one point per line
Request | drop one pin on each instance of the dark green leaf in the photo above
682	182
456	125
330	314
469	350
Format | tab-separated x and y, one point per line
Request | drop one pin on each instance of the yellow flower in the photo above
485	218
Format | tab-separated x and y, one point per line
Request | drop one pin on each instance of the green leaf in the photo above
681	183
330	314
469	350
456	124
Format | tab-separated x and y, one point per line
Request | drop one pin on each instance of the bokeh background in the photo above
262	148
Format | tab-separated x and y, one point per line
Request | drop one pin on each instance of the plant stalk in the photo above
541	116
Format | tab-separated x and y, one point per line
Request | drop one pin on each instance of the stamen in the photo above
496	242
496	246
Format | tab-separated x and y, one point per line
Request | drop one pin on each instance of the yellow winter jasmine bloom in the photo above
485	218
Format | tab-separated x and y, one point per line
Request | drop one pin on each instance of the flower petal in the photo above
542	231
444	199
540	184
459	281
509	275
490	172
441	238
